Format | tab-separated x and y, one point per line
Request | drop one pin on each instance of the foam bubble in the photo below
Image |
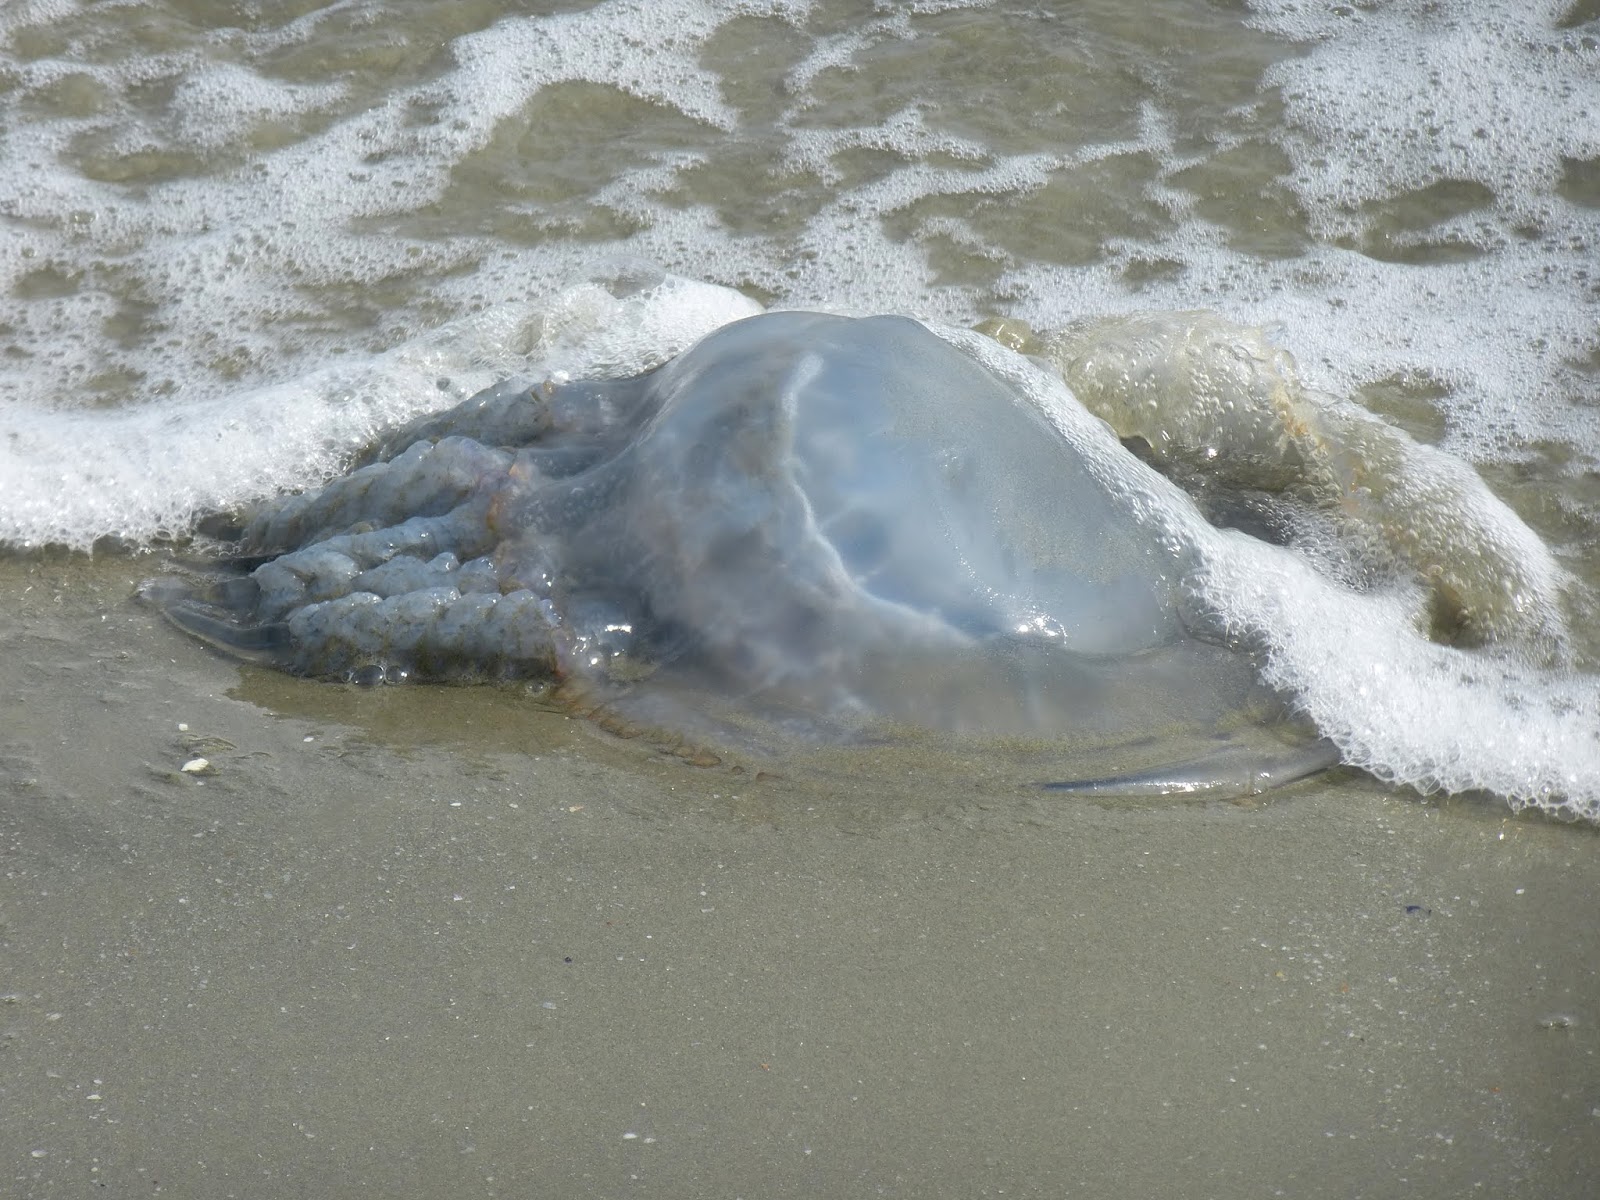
630	318
73	477
1411	712
217	105
1433	717
253	223
1393	100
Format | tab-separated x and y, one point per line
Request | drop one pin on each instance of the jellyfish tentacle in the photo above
508	414
535	504
564	417
1228	773
433	633
334	567
428	479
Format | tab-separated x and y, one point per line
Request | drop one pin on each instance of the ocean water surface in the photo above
243	238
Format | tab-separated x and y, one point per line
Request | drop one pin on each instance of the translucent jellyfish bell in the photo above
835	529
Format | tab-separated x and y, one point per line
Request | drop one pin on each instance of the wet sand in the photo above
422	942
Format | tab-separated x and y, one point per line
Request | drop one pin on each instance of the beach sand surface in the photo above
428	941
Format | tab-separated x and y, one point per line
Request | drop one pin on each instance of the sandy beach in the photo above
416	941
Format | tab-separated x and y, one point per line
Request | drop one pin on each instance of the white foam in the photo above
69	478
1393	99
630	318
214	106
837	52
228	262
21	14
1385	101
1412	712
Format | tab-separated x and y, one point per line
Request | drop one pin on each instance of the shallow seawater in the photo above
244	239
252	239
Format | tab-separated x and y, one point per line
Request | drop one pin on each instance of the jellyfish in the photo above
804	530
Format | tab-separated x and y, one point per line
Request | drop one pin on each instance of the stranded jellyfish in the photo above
806	530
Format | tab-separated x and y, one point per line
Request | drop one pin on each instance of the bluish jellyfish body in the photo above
836	527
